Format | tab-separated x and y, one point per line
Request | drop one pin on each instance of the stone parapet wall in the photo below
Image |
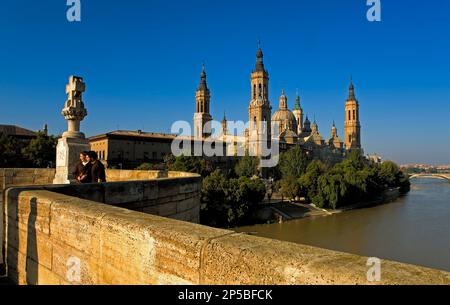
19	177
169	194
177	198
43	176
25	176
49	233
130	175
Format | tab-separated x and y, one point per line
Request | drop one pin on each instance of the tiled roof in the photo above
141	134
12	130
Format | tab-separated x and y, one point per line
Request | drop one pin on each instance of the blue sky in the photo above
141	62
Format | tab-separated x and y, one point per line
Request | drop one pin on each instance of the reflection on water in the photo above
414	229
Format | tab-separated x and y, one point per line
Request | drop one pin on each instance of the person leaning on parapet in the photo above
97	168
83	169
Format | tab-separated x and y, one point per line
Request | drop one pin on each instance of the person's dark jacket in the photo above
98	173
83	172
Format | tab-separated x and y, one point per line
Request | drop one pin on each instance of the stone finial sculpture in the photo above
74	111
72	141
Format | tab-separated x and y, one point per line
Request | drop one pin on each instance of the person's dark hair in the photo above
84	153
93	155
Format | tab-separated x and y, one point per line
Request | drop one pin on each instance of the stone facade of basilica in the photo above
287	127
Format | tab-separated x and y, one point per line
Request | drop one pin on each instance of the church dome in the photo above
283	117
285	120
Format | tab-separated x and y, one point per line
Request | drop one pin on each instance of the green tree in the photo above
229	202
9	156
356	160
392	176
190	164
169	160
332	188
145	167
309	180
244	195
247	167
355	180
215	208
389	172
41	151
290	188
293	162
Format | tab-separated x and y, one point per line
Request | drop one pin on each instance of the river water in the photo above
414	229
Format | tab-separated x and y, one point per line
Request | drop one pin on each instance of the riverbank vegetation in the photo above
332	186
229	197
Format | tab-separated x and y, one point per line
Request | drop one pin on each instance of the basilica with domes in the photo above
287	127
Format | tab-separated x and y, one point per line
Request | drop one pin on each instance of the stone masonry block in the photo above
122	192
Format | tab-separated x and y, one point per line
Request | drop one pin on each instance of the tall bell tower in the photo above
259	110
202	117
298	113
351	125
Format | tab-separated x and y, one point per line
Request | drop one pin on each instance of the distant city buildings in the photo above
425	168
287	127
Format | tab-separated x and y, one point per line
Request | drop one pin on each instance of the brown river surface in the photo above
414	229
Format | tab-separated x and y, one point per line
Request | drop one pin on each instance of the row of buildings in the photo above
284	127
287	127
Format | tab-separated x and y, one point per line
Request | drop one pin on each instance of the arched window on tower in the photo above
254	122
259	88
354	114
265	90
254	91
349	116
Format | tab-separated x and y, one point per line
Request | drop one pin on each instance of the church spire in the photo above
297	102
333	130
224	125
259	66
283	100
352	126
202	117
203	85
351	91
314	126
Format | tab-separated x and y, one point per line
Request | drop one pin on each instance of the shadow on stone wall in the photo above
31	268
21	224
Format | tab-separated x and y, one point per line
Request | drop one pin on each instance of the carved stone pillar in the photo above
73	141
